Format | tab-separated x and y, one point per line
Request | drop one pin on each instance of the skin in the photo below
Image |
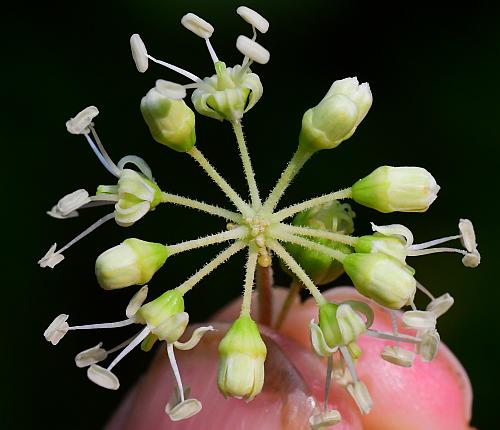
431	396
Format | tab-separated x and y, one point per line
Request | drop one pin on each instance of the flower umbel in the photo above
315	247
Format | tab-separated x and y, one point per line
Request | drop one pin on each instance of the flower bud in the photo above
337	116
242	355
340	324
389	245
162	308
403	189
334	217
133	262
228	94
171	122
381	278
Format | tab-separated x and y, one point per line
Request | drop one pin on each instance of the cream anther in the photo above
197	25
252	50
139	53
253	18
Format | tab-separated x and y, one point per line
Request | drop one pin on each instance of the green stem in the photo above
298	271
298	160
293	292
323	234
205	207
309	244
221	182
249	281
299	207
247	165
223	236
221	258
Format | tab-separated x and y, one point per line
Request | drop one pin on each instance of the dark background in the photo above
434	74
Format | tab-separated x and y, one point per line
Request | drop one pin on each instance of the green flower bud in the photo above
340	324
171	122
337	116
242	355
381	278
133	262
228	94
389	245
334	217
403	189
162	308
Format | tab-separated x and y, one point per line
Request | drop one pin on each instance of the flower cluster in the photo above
315	247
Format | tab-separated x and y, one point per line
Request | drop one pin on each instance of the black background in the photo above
433	70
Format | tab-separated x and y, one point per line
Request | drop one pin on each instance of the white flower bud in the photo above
197	25
337	116
139	53
133	262
403	189
80	123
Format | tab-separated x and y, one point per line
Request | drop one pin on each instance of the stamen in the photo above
66	207
139	53
117	170
179	70
53	257
388	336
433	242
91	356
136	302
349	362
252	50
211	50
428	347
414	253
115	324
325	419
110	167
329	368
197	25
137	340
170	90
184	410
255	19
425	291
103	377
57	329
175	370
419	320
471	259
361	396
440	305
80	123
397	355
468	236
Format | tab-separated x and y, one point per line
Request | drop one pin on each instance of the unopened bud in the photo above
403	189
133	262
242	355
381	278
170	121
337	116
